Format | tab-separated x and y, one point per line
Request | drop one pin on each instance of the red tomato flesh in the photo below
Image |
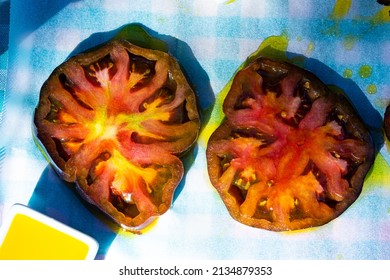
290	153
116	121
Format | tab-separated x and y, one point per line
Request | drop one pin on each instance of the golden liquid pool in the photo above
29	239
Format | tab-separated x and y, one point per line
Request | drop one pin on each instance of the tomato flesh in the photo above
290	153
116	121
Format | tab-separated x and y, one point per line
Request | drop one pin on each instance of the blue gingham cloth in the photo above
4	34
211	39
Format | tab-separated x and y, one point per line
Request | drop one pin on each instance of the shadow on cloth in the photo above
60	200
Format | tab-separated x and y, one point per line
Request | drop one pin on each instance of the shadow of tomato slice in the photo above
290	153
116	120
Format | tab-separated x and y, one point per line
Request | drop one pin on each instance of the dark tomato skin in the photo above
290	153
115	120
387	122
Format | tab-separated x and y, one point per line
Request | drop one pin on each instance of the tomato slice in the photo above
116	120
290	153
387	122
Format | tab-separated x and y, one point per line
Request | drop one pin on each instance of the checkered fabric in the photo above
349	48
4	33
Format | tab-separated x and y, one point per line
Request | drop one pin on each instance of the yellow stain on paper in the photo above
29	239
379	176
347	73
273	46
371	89
349	42
381	17
341	9
310	49
365	71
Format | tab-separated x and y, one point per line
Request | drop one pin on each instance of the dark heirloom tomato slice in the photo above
290	153
387	122
115	120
